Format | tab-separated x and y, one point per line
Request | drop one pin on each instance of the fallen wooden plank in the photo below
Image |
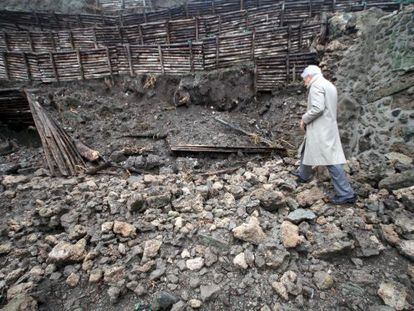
221	149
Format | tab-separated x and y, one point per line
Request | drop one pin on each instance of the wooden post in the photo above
52	39
167	30
241	5
145	15
186	9
38	23
255	78
161	58
190	46
6	65
253	42
26	64
95	40
310	7
123	4
78	55
121	18
197	29
169	14
289	39
72	42
246	19
141	37
29	38
129	56
333	5
287	68
120	34
203	55
217	51
300	35
219	24
80	21
6	41
282	13
52	61
108	56
213	7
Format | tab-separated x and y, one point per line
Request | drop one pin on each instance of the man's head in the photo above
310	72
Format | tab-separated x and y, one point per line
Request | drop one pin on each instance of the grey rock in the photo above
208	292
163	301
398	181
270	200
300	215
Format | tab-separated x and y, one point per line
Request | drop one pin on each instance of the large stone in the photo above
300	215
280	289
323	280
398	181
310	196
405	221
124	229
270	200
389	234
393	295
406	248
163	301
22	302
11	180
250	232
208	292
151	248
290	235
65	252
240	261
195	264
115	274
368	243
19	289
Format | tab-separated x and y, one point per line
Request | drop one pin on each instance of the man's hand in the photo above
302	125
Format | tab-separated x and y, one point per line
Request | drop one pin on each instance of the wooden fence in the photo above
281	69
166	32
180	58
17	20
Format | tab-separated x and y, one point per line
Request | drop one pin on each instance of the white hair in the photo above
311	70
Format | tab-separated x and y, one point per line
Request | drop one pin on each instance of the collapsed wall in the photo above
371	60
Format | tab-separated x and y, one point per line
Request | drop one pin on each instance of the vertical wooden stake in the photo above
123	4
161	59
26	64
52	40
197	29
213	7
186	9
72	42
120	34
300	36
253	42
190	46
145	15
282	13
219	24
167	29
217	51
203	55
333	5
141	37
289	43
95	40
52	61
129	56
81	71
287	68
80	24
108	56
6	41
6	65
29	38
310	8
241	5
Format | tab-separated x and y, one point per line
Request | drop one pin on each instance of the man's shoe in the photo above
341	201
299	179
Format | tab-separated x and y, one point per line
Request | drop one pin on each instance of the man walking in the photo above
322	145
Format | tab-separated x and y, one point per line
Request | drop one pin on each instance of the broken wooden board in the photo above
221	149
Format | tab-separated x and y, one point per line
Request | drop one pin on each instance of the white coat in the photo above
322	142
